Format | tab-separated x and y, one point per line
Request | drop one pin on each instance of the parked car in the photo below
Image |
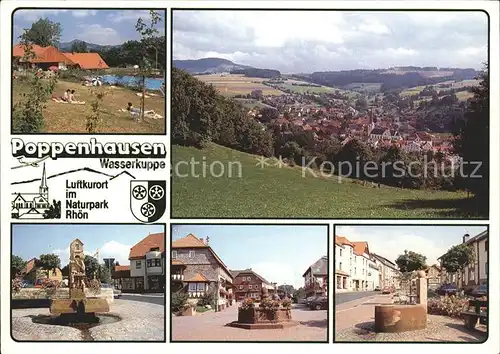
319	303
447	289
116	292
27	284
479	291
386	290
309	300
377	288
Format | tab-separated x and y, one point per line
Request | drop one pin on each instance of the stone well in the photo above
395	318
258	318
400	318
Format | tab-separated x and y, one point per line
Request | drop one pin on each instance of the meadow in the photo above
231	85
273	192
71	118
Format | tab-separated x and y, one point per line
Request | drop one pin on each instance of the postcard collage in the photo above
177	173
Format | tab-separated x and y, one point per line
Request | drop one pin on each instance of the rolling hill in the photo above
273	192
66	46
208	66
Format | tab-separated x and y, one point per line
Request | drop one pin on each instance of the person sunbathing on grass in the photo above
64	98
71	98
135	112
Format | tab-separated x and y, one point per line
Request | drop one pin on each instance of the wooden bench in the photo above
471	317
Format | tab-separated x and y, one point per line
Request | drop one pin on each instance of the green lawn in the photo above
273	192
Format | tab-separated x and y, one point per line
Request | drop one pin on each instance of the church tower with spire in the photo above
44	190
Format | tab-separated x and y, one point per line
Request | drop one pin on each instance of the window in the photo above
54	272
340	265
241	287
138	264
148	263
340	252
174	254
250	287
256	287
157	262
192	286
191	254
155	249
200	287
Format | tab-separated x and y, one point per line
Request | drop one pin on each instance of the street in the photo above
211	326
158	299
340	298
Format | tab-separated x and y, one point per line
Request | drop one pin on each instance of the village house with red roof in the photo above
146	272
50	58
196	269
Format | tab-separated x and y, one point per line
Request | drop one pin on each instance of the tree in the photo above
473	144
268	114
92	267
361	104
49	262
17	264
44	33
65	271
148	33
104	274
411	261
287	289
300	293
79	47
54	210
457	258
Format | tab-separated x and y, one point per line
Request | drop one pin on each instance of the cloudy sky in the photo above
293	41
105	27
280	254
113	241
391	241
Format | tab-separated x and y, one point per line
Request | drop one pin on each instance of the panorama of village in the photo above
412	296
227	287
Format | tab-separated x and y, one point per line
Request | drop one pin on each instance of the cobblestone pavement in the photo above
212	326
140	321
354	321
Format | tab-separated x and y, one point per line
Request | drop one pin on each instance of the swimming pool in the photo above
151	83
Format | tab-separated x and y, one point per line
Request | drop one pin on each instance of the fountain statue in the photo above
78	303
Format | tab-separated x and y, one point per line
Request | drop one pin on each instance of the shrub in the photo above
268	304
450	306
286	303
16	284
207	299
248	303
178	301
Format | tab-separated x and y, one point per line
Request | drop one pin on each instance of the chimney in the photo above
465	238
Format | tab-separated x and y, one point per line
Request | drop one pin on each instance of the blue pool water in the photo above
151	83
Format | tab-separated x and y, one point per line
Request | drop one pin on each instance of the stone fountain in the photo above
261	318
396	318
79	304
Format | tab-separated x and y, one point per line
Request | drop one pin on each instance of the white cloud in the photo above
34	15
116	250
110	249
83	13
280	273
97	34
128	15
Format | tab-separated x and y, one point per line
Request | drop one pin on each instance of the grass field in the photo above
71	118
231	85
289	85
273	192
366	87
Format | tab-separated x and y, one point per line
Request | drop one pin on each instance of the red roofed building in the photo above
147	264
87	61
47	57
197	270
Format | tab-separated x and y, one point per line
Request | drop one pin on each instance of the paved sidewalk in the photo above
354	321
211	326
